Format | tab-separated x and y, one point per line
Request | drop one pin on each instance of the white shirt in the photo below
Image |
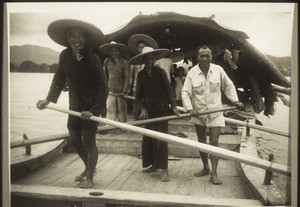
205	93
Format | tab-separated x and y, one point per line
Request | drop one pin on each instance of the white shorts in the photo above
209	120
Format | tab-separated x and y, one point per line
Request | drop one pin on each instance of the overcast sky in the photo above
269	25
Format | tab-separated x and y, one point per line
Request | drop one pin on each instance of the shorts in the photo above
209	121
77	124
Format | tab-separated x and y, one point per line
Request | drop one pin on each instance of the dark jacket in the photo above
154	93
86	80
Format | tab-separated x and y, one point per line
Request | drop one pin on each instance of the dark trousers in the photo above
155	152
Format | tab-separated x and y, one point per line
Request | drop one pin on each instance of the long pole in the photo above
255	126
190	143
109	127
167	118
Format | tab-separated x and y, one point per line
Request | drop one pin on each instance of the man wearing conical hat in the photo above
117	71
80	68
155	98
136	43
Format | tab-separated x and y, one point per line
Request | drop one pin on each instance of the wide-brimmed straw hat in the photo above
134	40
57	31
158	53
105	48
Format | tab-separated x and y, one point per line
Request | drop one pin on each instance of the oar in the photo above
255	126
167	118
281	89
190	143
125	96
40	140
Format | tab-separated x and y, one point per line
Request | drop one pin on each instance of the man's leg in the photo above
89	140
122	109
214	134
201	134
162	151
74	127
111	107
76	141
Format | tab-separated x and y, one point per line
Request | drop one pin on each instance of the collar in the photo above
199	71
76	55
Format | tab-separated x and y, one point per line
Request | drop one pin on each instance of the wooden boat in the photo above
48	180
119	180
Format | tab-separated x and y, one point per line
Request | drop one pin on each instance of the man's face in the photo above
204	57
140	47
76	38
114	52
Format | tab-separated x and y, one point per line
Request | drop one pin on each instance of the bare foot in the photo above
165	176
202	173
150	169
88	183
83	175
215	180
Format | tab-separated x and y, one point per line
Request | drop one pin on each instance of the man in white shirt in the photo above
201	92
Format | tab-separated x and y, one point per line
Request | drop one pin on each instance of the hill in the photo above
34	53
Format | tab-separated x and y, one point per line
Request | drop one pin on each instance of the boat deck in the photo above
123	172
119	180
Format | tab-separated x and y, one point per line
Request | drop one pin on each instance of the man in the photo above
136	43
117	70
80	68
202	91
154	96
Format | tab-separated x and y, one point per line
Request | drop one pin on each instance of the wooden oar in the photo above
50	138
126	96
281	89
167	118
190	143
255	126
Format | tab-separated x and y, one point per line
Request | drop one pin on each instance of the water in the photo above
25	90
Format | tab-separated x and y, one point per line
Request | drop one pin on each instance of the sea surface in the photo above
27	88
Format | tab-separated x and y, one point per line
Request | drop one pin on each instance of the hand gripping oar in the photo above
220	152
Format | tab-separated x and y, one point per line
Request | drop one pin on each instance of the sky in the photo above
269	25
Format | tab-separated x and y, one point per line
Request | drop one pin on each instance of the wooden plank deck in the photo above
123	173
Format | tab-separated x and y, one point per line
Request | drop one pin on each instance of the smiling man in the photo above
201	92
80	68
